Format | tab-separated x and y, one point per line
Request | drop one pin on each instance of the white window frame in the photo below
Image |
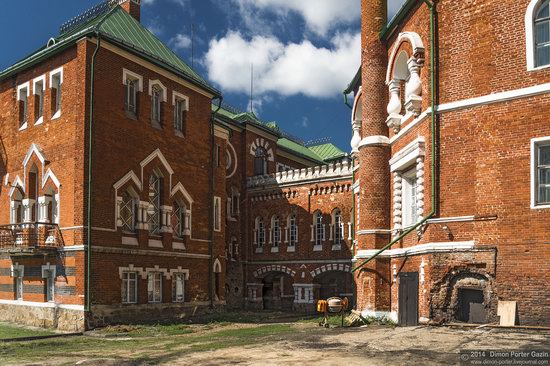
276	231
175	277
409	196
154	279
18	284
178	119
259	237
26	89
530	36
57	72
40	91
125	276
337	226
319	227
535	144
217	213
292	231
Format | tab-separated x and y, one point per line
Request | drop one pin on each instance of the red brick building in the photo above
452	143
125	194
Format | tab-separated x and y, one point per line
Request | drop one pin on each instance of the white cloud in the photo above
305	122
284	69
320	16
181	42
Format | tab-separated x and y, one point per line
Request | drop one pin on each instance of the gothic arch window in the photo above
260	161
128	211
155	202
178	219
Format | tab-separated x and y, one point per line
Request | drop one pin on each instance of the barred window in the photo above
178	219
155	198
128	212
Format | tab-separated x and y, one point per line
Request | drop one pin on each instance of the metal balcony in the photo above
30	238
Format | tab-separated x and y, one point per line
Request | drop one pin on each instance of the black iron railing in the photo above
33	235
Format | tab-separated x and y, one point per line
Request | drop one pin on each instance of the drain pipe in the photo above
211	194
433	12
89	208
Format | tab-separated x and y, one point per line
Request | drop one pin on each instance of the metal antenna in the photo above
193	45
251	87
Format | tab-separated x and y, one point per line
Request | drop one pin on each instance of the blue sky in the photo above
304	52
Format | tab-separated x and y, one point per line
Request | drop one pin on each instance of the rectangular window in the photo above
131	95
542	172
178	287
18	285
410	215
38	101
56	85
129	288
156	106
23	106
50	286
217	154
180	114
217	213
293	231
154	287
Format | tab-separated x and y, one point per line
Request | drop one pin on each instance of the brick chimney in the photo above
132	7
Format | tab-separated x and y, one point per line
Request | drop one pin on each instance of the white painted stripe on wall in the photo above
43	305
417	249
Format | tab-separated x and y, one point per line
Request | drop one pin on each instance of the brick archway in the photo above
260	272
330	267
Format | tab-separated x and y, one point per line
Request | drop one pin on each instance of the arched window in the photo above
319	228
178	219
260	232
260	161
542	34
33	194
128	212
155	201
293	230
276	230
338	226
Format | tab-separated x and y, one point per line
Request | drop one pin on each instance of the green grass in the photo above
152	344
333	320
9	331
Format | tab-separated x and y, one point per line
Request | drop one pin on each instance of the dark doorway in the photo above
278	293
470	306
408	299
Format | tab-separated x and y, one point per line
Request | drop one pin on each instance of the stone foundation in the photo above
54	317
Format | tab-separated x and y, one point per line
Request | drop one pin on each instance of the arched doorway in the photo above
278	292
335	283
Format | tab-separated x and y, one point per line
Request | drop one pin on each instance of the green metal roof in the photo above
119	27
327	151
300	150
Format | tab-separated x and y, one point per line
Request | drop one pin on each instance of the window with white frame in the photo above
276	231
178	287
542	34
156	99
338	227
130	100
319	228
23	98
217	213
56	85
155	201
260	232
154	287
129	287
18	284
541	173
260	161
38	90
180	114
410	207
178	219
293	231
50	285
128	212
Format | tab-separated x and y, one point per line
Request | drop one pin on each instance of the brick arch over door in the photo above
330	267
273	268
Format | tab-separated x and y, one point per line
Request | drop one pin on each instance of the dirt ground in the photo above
373	346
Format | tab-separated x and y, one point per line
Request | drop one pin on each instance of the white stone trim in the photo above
26	85
330	267
153	243
49	267
55	72
441	220
161	85
217	267
157	154
130	240
42	305
180	96
35	149
533	183
50	175
139	270
274	268
261	142
155	269
407	156
428	248
127	74
373	231
530	36
233	156
17	183
19	268
36	80
172	272
416	44
374	141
